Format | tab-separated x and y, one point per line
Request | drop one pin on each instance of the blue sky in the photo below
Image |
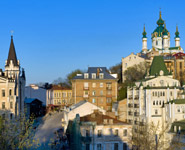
54	37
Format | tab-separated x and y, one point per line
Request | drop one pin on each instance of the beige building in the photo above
130	61
58	96
146	100
122	110
12	86
97	86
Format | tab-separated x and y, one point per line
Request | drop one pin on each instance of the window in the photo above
125	65
11	105
63	94
178	109
99	133
163	94
116	132
156	42
109	100
93	75
11	116
105	121
101	100
109	86
93	100
10	92
110	121
125	132
101	93
3	93
101	84
115	146
153	93
93	93
180	65
99	147
153	102
93	85
86	85
3	105
86	75
171	94
156	102
101	75
156	111
159	102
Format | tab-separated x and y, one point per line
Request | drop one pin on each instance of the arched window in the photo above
153	102
156	42
156	102
160	103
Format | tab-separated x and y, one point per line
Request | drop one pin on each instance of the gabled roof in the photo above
158	65
12	54
96	70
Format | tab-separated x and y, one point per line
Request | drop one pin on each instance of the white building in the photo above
12	86
34	91
146	100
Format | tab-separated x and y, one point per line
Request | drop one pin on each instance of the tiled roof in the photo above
95	70
99	118
58	87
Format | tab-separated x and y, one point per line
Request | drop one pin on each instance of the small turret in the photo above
165	37
144	40
177	38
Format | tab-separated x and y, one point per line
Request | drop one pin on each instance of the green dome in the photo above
144	33
177	33
160	21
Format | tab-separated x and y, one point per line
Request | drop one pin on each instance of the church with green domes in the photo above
161	41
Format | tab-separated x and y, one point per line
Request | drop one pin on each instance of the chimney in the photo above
98	72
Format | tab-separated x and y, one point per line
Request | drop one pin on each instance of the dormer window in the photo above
101	75
86	75
93	75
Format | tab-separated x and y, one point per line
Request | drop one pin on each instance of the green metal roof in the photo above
160	21
177	101
177	32
158	65
171	48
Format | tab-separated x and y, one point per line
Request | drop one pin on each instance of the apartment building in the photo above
97	86
59	96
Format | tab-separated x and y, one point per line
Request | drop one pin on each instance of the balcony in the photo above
109	88
86	139
85	96
108	95
86	88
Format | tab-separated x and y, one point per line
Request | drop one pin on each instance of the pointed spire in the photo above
144	32
160	21
12	54
177	32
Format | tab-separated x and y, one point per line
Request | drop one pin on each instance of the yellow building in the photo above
59	95
97	86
